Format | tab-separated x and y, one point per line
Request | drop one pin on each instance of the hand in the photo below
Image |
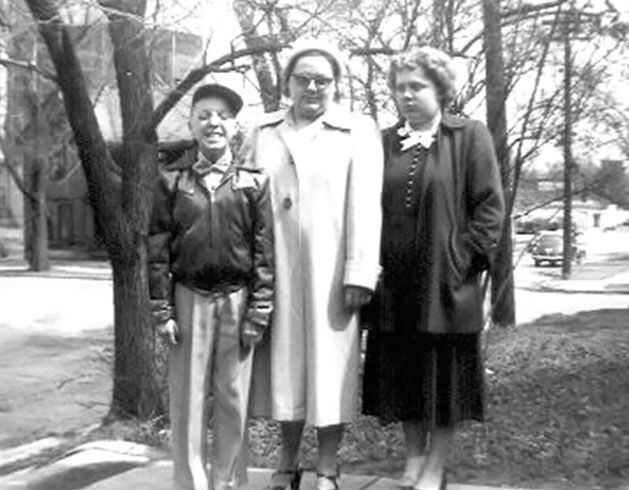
250	335
356	296
169	331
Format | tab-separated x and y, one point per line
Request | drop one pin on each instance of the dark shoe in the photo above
328	482
285	479
404	483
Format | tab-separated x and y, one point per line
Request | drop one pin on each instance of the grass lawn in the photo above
558	412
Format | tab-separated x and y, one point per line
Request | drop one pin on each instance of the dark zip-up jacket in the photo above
211	241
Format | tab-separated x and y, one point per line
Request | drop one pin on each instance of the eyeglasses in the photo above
304	81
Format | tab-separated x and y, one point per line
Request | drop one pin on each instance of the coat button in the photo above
288	203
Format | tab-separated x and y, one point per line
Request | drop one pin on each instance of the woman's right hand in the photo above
169	331
356	296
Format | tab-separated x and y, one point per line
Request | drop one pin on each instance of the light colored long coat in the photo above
326	182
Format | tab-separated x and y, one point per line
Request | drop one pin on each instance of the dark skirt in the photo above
437	379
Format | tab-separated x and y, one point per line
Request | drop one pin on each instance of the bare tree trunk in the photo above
442	31
35	213
121	211
139	380
372	101
270	92
40	260
137	388
30	211
24	143
502	286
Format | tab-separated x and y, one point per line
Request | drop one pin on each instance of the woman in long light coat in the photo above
325	165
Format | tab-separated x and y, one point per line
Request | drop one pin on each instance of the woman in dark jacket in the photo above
443	209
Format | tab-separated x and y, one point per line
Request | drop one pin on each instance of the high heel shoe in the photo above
443	483
406	482
285	479
328	482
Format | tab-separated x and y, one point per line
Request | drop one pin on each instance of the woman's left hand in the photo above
356	296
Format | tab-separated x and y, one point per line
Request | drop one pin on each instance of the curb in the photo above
14	456
81	466
114	465
56	272
605	289
577	287
55	275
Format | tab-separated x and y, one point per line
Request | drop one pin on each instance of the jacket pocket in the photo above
458	255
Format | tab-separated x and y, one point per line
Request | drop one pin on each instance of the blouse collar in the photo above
410	137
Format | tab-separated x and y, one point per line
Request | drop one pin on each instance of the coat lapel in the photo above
335	118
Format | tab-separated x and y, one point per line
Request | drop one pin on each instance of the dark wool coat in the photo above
460	212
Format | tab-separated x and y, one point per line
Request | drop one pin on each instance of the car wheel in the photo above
537	263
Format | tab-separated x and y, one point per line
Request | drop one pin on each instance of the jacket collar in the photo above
451	121
186	160
202	166
337	117
189	158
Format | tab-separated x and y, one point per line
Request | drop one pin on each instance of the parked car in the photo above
529	226
547	246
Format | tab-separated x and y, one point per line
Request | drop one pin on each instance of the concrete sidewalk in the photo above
157	476
71	269
617	284
119	465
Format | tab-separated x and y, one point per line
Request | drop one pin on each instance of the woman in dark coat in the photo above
443	208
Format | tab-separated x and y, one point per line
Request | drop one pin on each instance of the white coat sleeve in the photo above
364	213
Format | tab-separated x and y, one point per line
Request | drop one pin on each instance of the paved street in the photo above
607	255
55	334
65	306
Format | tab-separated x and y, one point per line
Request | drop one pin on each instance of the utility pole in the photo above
573	24
566	268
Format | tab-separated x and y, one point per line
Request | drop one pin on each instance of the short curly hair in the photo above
437	65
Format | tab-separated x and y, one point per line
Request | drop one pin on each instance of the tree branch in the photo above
196	75
526	9
93	152
8	62
538	78
17	179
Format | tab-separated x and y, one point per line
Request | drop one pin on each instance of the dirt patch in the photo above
76	478
51	384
